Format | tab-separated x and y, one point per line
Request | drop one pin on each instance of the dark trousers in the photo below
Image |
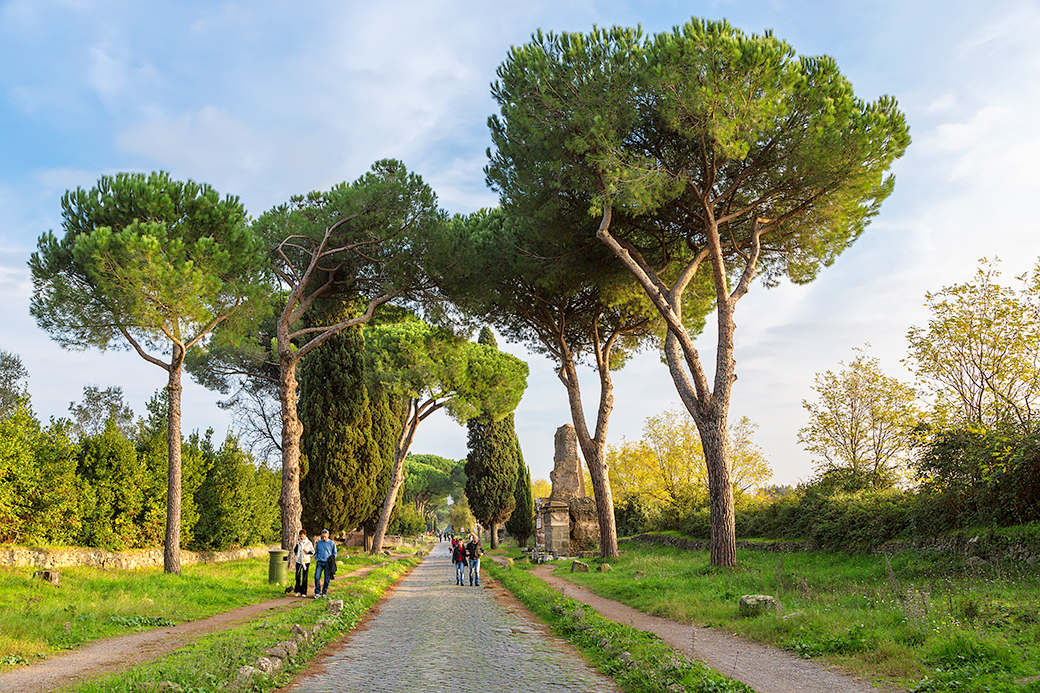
301	578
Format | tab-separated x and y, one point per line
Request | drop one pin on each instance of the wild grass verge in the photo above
209	663
925	621
38	619
639	662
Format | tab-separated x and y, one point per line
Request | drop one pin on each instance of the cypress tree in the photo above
520	524
492	465
339	484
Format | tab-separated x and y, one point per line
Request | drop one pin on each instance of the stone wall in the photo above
22	557
698	545
584	525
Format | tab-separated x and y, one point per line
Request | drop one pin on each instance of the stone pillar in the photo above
567	480
556	522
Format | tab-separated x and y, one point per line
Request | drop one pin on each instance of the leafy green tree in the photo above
38	486
979	355
520	524
98	406
431	369
862	421
234	501
700	150
152	264
340	483
427	484
12	385
113	504
666	467
361	240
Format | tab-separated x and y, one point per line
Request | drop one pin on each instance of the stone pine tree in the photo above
520	524
154	265
492	464
702	152
339	485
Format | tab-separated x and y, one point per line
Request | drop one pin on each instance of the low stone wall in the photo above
697	545
22	557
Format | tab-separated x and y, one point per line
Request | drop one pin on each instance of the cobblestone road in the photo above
432	635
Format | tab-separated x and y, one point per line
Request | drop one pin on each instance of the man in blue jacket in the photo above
324	560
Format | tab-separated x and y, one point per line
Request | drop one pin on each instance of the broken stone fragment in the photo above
579	567
752	605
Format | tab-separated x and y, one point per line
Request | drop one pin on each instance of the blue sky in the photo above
265	100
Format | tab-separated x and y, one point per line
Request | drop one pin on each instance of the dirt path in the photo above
766	669
111	655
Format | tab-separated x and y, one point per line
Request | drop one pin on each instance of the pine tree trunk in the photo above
172	549
292	430
494	535
715	442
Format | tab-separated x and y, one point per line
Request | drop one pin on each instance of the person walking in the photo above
325	560
458	557
303	551
474	551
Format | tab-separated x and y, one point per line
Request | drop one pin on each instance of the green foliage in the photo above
429	480
407	522
98	406
236	501
143	257
862	420
12	387
113	506
520	524
343	464
979	476
491	470
415	361
980	353
38	483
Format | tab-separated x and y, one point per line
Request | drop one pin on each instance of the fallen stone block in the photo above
752	605
334	607
52	577
604	568
579	567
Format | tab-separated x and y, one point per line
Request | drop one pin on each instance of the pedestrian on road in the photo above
458	557
324	559
303	551
474	551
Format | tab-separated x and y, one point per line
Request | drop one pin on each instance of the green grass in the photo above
639	662
881	618
209	663
38	619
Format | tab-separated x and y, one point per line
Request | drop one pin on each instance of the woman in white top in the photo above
303	552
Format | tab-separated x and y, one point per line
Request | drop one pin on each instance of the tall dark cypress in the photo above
492	465
520	524
339	484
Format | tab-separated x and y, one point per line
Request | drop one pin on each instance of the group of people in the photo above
324	554
468	554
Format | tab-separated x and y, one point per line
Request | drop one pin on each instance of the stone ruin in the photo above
567	520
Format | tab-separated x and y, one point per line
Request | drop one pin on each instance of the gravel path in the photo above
432	635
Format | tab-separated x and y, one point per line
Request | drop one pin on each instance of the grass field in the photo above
38	619
928	622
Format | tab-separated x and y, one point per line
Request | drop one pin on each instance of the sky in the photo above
265	100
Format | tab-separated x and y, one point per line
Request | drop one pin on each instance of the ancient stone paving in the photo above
432	635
